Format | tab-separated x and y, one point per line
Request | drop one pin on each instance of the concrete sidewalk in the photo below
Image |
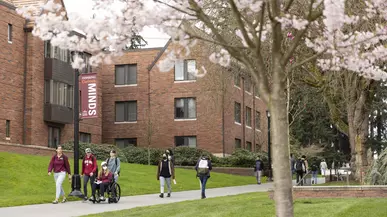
84	208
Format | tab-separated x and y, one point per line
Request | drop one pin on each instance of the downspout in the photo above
26	30
243	145
253	148
223	93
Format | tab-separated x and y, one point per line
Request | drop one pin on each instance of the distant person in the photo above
258	168
323	167
170	156
60	164
203	168
165	170
300	168
89	170
292	162
314	169
306	163
114	164
103	181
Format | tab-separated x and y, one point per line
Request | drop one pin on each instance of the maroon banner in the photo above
89	95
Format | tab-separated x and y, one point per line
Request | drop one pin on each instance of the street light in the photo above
270	178
76	179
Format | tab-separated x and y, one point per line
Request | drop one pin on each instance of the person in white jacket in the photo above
323	167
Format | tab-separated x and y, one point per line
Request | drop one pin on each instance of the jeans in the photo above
85	180
203	182
164	180
323	172
258	175
300	175
115	178
102	188
59	177
314	177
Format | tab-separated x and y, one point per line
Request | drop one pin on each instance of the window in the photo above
256	91
185	70
185	108
248	146
126	111
53	137
248	116
126	74
10	33
247	85
257	120
237	112
237	80
257	147
85	137
58	93
56	53
86	58
7	128
189	141
124	143
238	143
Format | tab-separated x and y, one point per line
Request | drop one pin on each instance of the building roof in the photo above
159	55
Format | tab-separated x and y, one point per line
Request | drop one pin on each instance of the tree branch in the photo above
287	7
314	57
238	16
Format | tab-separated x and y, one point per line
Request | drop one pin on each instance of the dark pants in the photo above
300	174
203	181
102	187
85	180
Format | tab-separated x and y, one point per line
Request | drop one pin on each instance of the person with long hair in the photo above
60	165
89	170
103	180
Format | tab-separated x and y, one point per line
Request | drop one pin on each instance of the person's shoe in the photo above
203	196
161	195
64	200
55	202
169	195
259	183
92	198
86	198
102	198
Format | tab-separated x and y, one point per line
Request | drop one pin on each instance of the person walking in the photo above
89	170
203	168
258	168
103	181
114	165
314	170
60	165
323	167
300	168
165	171
292	162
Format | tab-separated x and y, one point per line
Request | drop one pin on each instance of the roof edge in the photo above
150	67
8	5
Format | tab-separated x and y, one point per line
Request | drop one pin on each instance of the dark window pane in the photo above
248	85
120	75
120	143
237	80
7	128
179	108
189	141
132	74
132	111
238	143
10	32
85	137
53	137
179	141
248	146
120	112
257	120
248	116
237	112
191	107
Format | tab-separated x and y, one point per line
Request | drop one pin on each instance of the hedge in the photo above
101	151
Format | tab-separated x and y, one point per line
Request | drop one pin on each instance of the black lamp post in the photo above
76	179
270	178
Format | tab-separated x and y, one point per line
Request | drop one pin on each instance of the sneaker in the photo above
169	195
101	198
203	196
64	200
92	198
86	198
55	202
161	195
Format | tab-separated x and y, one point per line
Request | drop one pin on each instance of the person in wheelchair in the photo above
104	180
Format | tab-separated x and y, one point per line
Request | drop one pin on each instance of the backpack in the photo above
107	164
300	165
203	167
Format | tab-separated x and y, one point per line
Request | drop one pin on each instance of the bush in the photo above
102	152
186	156
140	155
377	173
245	158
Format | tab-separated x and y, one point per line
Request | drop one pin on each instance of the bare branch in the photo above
238	16
287	7
314	57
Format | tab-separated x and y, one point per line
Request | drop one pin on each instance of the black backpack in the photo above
107	163
300	165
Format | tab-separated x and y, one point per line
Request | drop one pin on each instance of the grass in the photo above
25	180
258	204
339	183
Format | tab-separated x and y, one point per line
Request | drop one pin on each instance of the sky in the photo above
84	7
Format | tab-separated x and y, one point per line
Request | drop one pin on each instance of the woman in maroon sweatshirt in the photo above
103	181
60	164
89	170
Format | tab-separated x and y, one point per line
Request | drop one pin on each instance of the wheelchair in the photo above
112	193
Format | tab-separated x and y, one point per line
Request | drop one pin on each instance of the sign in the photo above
89	95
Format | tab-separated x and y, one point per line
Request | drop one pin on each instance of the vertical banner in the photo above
89	95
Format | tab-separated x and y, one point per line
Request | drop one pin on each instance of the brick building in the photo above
139	104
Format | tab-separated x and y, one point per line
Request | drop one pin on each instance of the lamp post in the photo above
270	178
76	179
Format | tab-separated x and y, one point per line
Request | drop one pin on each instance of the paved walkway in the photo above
84	208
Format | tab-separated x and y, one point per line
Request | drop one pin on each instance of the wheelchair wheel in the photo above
116	192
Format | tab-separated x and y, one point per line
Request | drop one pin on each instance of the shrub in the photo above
140	155
241	158
186	156
102	152
377	174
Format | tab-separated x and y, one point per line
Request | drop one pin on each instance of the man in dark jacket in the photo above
258	168
165	171
203	168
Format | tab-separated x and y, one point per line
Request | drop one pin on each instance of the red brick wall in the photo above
30	149
227	170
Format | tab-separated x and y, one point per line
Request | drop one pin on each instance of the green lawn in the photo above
25	180
258	204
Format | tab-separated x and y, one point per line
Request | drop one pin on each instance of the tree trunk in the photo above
280	149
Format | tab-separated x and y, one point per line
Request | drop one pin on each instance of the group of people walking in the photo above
301	168
59	164
110	169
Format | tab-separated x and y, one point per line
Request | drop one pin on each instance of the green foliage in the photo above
140	155
377	174
102	151
186	156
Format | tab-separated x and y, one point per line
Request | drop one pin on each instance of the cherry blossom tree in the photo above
249	33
